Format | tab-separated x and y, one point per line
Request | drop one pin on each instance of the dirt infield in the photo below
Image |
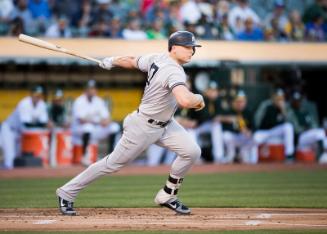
160	170
162	219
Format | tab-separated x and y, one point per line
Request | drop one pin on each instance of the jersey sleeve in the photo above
175	77
143	62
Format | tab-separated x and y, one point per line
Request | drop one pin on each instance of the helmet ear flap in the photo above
193	50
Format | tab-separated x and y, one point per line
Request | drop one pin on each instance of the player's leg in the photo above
308	138
179	141
248	149
230	140
135	139
8	145
217	142
154	155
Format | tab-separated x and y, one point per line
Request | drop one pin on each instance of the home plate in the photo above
46	221
253	223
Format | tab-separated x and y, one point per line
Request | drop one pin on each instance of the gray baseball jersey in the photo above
139	133
163	75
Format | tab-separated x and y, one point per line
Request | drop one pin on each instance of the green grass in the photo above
274	189
191	232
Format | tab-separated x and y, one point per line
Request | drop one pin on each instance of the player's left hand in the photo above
107	63
200	106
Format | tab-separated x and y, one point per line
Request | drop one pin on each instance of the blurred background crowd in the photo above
249	20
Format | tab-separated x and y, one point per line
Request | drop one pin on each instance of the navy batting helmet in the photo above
182	38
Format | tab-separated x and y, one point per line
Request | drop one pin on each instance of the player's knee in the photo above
288	127
194	152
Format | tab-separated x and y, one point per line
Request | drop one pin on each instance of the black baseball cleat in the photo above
66	207
177	206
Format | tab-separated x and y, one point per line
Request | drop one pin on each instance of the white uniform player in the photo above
152	123
91	120
31	112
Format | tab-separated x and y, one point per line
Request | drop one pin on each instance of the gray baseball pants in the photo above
137	136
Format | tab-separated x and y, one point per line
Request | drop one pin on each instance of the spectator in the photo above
239	14
91	120
59	29
222	10
156	31
81	20
115	29
41	14
40	9
102	12
174	20
277	21
225	32
205	28
31	112
273	33
315	31
21	11
134	31
237	131
319	7
157	11
272	121
6	7
296	28
100	29
16	27
251	32
306	128
65	8
190	12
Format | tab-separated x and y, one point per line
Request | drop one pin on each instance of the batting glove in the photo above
107	63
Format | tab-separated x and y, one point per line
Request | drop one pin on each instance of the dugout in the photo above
255	67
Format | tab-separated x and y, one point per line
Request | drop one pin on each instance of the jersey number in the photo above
153	70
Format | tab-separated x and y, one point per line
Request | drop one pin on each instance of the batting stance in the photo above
153	122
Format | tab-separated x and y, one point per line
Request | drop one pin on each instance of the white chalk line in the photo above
300	224
46	221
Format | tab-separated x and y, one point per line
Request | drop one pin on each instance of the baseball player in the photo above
272	120
206	121
306	127
152	122
237	130
57	110
90	121
31	112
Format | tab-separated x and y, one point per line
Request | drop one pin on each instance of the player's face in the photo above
183	54
91	92
240	104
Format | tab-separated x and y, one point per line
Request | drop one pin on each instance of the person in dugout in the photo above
30	113
272	119
91	121
306	126
237	125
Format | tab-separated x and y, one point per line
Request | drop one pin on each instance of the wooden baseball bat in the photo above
47	45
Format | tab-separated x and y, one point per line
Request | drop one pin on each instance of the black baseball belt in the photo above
156	122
